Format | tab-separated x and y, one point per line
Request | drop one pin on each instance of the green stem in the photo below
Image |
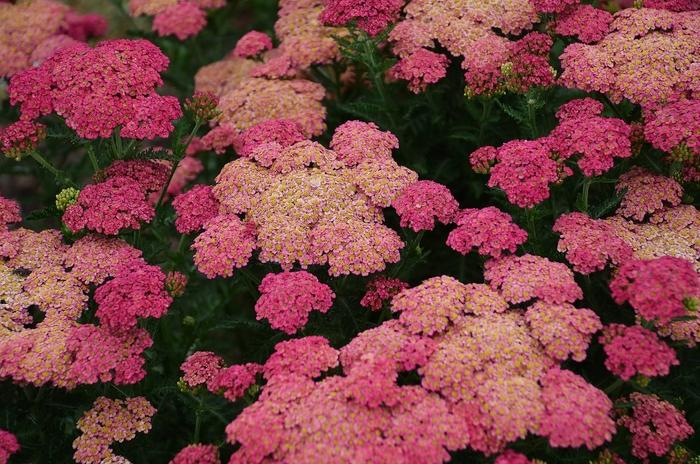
197	423
584	193
614	386
377	78
93	160
58	175
179	151
531	229
532	121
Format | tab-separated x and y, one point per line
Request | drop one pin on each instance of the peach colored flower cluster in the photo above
31	30
107	422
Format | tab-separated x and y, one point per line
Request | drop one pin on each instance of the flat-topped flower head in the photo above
183	19
488	230
524	170
646	193
8	445
357	141
197	454
20	138
656	425
287	299
307	356
110	206
372	16
256	100
658	289
194	208
634	350
563	330
675	127
590	244
9	213
381	289
647	56
282	132
512	457
576	413
522	278
235	380
97	90
138	290
226	243
421	68
585	22
107	422
252	44
423	203
553	6
94	258
200	368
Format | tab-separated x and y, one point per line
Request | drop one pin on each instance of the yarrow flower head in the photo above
307	356
194	209
94	258
576	413
553	6
175	283
562	329
288	298
20	138
422	203
182	19
372	16
512	457
197	454
9	213
489	230
381	289
586	22
674	128
421	68
522	278
97	90
109	206
110	421
200	368
524	170
252	44
656	425
597	139
590	244
234	381
137	291
657	289
646	193
357	141
8	446
226	243
634	350
280	132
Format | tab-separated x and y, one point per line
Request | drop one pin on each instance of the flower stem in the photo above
180	149
584	193
60	178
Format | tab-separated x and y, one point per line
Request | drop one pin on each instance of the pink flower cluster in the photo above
505	387
655	426
590	244
586	22
381	289
138	290
9	213
252	44
97	90
268	137
181	18
288	298
197	454
110	421
225	244
421	203
522	278
596	139
648	57
646	193
371	16
421	68
8	446
674	128
553	6
109	206
21	137
34	30
204	368
194	208
634	350
489	230
659	289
